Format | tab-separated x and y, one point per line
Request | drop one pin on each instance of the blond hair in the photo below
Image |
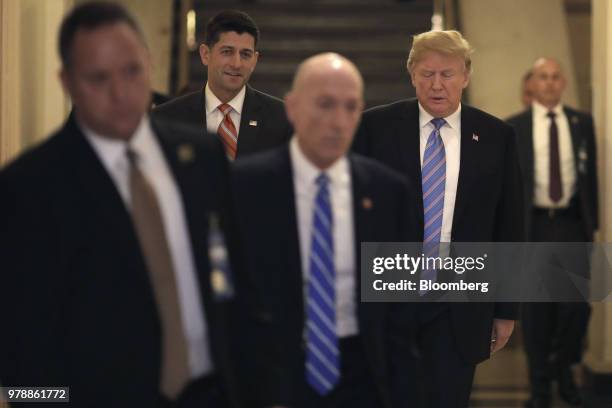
449	42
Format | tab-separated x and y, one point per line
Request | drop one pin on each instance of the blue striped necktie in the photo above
322	352
433	176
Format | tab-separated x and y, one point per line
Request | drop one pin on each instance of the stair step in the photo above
375	35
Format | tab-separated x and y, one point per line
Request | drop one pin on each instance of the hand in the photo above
502	329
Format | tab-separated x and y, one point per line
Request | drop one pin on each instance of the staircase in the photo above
375	35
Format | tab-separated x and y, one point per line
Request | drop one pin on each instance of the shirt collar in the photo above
113	150
541	111
212	102
453	120
306	172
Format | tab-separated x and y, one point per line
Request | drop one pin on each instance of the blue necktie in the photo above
322	352
433	179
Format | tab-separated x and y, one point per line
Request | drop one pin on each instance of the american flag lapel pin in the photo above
367	203
475	137
252	123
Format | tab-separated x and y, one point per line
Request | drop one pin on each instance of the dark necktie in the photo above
149	226
555	189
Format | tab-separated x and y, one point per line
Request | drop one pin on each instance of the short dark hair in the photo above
230	20
89	16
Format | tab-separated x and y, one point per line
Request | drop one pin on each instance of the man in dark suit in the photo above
556	146
246	120
106	282
304	209
476	197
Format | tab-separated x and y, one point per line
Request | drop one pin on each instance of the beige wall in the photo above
155	19
579	25
599	353
508	36
32	103
10	125
43	103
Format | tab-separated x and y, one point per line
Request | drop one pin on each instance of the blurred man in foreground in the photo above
305	208
106	280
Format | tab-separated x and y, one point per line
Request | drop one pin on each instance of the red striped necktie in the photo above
227	131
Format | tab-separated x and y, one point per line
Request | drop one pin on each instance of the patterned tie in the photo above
227	132
148	222
555	188
322	352
434	182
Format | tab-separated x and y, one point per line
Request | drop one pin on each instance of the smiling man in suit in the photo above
559	162
465	163
304	209
106	277
246	120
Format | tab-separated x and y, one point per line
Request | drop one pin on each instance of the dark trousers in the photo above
442	378
356	388
554	332
207	391
553	335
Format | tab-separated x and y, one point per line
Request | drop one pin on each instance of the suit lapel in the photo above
286	210
199	109
467	163
180	164
528	148
574	127
407	133
104	199
249	123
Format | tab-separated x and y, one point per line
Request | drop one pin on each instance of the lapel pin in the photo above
185	153
367	203
575	120
252	123
218	282
475	137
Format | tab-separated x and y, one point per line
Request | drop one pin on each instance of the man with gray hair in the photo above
305	208
466	164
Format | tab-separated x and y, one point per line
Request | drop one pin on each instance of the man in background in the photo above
559	164
106	283
526	89
246	120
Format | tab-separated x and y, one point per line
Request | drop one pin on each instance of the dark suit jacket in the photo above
74	285
585	159
264	194
272	129
489	195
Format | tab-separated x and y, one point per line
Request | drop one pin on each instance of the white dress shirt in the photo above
340	189
451	137
214	116
153	165
541	157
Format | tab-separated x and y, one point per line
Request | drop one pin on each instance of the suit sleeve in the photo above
509	225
